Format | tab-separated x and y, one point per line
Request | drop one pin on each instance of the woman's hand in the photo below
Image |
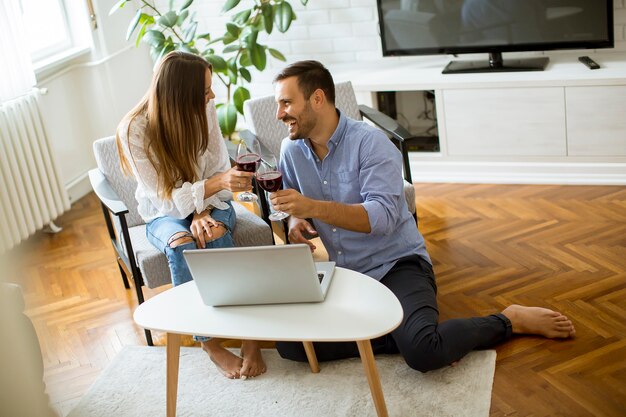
201	227
235	180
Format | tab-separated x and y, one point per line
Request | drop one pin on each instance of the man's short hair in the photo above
311	75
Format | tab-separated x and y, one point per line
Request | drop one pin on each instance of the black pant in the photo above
424	343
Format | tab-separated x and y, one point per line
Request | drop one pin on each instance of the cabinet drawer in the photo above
596	120
505	122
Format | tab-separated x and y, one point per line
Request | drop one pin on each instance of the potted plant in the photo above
230	53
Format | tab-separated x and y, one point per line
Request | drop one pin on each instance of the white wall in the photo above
87	98
335	32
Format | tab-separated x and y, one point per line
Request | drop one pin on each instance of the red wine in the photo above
270	181
248	162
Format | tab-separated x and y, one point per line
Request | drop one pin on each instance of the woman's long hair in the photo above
177	130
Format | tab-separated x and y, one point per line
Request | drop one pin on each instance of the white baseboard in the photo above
566	173
79	187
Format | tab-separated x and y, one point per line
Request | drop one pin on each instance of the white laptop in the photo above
259	275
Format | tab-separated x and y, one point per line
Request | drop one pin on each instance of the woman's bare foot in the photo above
538	320
253	363
227	362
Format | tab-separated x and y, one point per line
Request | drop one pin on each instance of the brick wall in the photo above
335	31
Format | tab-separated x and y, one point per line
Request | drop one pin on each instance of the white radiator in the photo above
31	191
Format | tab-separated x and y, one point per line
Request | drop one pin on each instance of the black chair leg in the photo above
123	273
148	337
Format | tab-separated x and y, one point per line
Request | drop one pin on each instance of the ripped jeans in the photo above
160	230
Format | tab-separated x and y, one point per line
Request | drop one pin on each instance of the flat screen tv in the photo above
429	27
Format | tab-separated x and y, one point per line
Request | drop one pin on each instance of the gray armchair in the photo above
261	119
136	257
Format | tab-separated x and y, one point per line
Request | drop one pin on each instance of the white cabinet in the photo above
564	125
596	120
505	122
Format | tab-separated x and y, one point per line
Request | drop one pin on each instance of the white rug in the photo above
134	385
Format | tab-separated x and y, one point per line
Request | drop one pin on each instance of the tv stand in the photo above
496	64
564	125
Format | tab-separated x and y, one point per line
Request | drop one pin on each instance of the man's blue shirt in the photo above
362	167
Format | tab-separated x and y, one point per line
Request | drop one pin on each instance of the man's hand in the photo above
201	227
293	203
297	228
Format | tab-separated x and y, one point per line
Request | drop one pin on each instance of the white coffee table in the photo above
357	308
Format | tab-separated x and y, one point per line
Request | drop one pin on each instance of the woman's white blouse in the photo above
186	197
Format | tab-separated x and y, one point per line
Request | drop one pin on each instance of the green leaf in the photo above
170	5
242	17
244	59
142	31
168	20
252	37
276	54
232	75
228	38
187	4
186	48
227	117
190	32
257	22
166	50
205	36
154	53
117	6
230	48
230	4
218	63
133	24
233	29
240	95
154	38
245	74
283	16
258	57
146	19
182	17
268	17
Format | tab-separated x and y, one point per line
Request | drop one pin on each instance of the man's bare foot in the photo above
538	320
227	362
253	363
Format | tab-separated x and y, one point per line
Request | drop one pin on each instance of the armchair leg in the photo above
140	299
123	274
148	337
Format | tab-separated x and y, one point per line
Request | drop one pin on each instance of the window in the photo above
55	29
46	27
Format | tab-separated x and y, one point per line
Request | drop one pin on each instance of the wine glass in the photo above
248	159
271	180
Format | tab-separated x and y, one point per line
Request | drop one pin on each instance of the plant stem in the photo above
159	14
151	6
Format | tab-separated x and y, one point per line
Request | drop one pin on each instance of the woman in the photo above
172	144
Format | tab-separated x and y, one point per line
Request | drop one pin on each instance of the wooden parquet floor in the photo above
561	247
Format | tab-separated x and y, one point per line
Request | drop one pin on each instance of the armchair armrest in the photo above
386	123
393	129
107	195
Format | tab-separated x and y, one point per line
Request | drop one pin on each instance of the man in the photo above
347	177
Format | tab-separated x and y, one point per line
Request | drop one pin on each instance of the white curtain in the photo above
16	70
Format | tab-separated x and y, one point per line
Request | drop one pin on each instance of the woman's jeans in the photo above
160	231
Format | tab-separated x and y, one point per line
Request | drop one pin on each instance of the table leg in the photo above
310	354
173	358
367	357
